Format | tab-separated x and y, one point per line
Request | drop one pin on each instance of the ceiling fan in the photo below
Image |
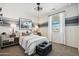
38	8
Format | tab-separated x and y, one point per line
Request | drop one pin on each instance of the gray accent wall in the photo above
44	24
71	21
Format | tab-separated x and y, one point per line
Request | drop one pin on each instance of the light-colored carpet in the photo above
58	50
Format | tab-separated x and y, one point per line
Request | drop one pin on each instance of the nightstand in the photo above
4	44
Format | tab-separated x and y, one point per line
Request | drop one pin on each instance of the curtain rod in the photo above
56	13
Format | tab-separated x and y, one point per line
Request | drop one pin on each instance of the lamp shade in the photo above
13	25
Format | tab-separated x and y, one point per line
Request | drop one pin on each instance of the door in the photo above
58	28
72	35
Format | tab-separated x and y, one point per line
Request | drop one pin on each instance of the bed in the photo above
29	43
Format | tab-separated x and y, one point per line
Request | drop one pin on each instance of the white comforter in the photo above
30	42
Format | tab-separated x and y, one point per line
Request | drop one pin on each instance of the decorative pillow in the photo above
23	34
29	32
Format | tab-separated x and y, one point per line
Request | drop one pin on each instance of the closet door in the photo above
71	36
72	32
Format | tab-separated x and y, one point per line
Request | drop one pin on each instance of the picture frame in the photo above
56	23
25	24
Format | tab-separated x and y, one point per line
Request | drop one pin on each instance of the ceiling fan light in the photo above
38	8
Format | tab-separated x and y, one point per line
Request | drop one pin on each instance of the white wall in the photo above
72	11
44	31
6	29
